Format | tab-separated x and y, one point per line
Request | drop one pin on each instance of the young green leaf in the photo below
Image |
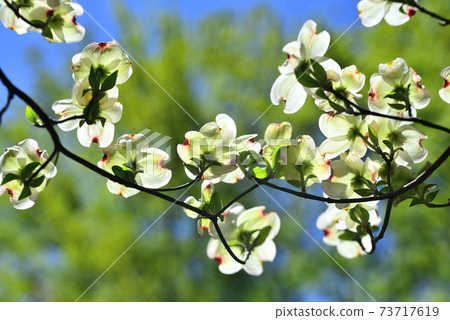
262	236
110	81
364	192
348	235
94	82
319	72
306	80
35	183
47	32
215	204
31	115
26	192
10	177
28	170
373	136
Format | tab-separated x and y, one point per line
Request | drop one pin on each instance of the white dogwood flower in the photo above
100	128
402	135
18	164
133	160
302	164
444	92
334	221
397	79
217	147
349	85
343	133
105	58
394	13
309	45
242	228
349	174
54	19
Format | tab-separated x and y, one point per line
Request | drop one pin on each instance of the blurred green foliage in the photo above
225	63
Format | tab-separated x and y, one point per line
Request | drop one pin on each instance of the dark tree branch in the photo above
6	106
59	148
362	111
224	241
390	195
237	198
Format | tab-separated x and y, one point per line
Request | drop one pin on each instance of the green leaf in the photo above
102	120
38	23
415	202
26	192
47	32
397	106
192	169
260	173
94	82
321	93
319	72
388	144
381	183
373	136
85	91
431	196
364	192
352	214
364	215
262	236
336	106
10	177
28	170
123	173
306	80
395	96
215	204
31	115
128	173
348	235
35	183
361	230
110	81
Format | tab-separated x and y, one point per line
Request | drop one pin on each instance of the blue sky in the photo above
338	14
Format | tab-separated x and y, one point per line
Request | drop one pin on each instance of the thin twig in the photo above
6	106
362	111
237	198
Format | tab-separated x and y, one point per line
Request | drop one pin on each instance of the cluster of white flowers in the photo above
23	175
215	150
94	104
133	160
214	154
56	20
249	233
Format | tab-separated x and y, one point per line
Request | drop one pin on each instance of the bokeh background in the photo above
213	57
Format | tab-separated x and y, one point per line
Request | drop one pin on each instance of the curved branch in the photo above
229	204
390	195
180	187
367	112
442	21
59	147
6	106
225	243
